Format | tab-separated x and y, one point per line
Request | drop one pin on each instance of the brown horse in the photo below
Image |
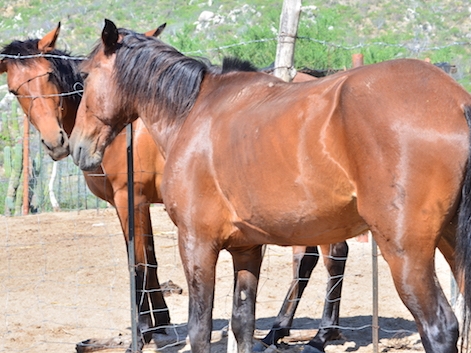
48	89
383	147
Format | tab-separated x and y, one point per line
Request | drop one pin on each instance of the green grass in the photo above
410	24
329	32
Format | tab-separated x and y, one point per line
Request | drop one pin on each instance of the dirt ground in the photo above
64	279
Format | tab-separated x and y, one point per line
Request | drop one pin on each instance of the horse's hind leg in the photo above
447	245
304	261
411	260
335	257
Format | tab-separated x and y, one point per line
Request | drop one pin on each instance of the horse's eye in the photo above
84	75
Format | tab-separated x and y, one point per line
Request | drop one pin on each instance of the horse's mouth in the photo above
84	158
58	153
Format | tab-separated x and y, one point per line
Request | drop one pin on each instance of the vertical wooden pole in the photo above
25	209
52	196
357	60
289	20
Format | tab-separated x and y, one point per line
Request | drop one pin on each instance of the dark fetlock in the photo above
140	346
308	348
275	335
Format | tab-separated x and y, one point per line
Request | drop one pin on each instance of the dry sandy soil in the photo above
64	279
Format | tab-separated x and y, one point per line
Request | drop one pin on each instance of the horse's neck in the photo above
70	108
163	131
69	102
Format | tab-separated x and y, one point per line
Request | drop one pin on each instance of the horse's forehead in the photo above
18	70
95	60
85	64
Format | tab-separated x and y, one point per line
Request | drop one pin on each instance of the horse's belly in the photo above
301	224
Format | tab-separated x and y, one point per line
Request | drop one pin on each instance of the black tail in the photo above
463	242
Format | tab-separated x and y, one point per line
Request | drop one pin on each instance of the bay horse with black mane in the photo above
252	160
48	87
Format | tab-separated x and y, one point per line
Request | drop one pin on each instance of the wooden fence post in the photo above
357	60
289	20
25	208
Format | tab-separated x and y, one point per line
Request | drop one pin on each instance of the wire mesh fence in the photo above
66	280
62	178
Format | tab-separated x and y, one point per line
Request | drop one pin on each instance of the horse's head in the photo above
32	78
101	114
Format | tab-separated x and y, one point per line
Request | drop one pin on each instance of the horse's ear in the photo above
109	36
48	42
156	32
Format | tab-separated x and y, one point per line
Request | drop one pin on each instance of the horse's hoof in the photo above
311	349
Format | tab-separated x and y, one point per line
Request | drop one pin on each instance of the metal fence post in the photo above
375	321
131	253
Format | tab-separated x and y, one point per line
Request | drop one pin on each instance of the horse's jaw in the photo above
87	162
84	156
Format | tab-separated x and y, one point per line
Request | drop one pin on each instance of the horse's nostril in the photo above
46	145
62	138
76	155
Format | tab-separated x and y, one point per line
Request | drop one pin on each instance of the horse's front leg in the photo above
147	267
199	259
247	262
147	283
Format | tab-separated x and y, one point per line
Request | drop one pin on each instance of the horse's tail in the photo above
463	242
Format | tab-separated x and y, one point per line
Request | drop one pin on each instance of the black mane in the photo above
230	64
20	48
65	72
148	70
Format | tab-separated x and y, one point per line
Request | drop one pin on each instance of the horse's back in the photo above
257	144
288	158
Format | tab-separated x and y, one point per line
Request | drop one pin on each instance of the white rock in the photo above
205	16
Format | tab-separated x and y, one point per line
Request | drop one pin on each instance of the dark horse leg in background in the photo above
153	311
304	261
153	314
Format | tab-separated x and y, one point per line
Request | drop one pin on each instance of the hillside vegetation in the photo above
329	32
